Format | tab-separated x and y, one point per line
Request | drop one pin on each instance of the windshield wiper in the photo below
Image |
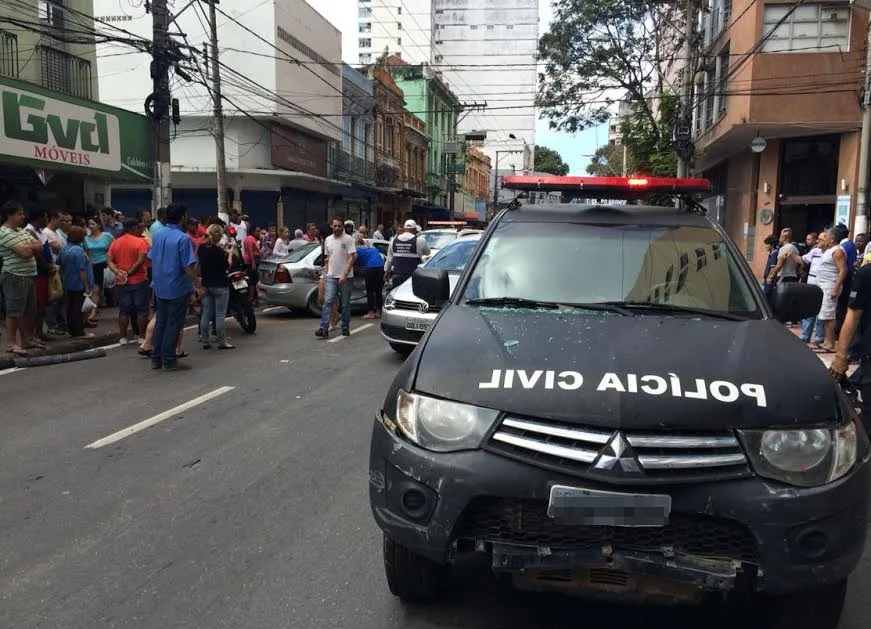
513	302
520	302
646	305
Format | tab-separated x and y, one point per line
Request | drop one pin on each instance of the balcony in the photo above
352	168
65	73
9	61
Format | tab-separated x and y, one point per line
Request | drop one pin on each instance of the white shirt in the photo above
241	232
280	249
338	251
813	258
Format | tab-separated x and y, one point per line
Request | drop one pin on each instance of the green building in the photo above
59	146
429	97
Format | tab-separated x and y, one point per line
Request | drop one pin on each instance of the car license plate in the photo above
417	326
240	284
587	507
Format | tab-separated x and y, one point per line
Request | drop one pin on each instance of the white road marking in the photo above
151	421
3	372
354	331
273	309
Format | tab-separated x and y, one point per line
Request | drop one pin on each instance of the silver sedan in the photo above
406	317
292	281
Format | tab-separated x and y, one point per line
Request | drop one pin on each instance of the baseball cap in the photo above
410	224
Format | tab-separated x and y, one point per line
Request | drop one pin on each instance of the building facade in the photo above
355	162
283	108
401	27
777	132
428	96
474	186
487	52
389	136
81	146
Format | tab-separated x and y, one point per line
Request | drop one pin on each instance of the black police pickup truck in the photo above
607	405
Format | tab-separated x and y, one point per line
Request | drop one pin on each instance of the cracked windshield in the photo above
418	314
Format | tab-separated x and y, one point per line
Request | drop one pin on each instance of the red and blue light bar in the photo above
596	187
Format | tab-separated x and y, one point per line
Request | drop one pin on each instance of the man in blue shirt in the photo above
174	269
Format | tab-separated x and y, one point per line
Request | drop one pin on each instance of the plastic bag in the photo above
55	287
109	278
88	305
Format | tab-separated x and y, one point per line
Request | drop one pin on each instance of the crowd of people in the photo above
57	271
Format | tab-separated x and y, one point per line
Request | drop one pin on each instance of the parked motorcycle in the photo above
239	306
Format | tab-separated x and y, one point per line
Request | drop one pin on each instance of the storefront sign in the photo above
842	210
298	151
49	130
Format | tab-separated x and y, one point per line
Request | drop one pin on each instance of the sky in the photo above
575	149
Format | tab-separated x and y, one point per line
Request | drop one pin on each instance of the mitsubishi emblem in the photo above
617	456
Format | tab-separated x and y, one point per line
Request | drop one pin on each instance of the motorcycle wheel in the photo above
244	314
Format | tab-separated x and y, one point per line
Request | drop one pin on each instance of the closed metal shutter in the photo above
294	209
261	206
317	208
129	202
200	203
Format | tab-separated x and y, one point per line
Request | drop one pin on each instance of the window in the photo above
365	12
723	65
398	41
809	27
9	62
365	43
366	27
510	27
474	27
490	27
366	57
398	10
649	263
399	26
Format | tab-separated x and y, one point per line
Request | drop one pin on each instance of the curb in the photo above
67	346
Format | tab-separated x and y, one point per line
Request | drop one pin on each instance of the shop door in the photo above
200	203
129	202
261	206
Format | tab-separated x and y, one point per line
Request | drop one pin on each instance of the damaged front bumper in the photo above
775	538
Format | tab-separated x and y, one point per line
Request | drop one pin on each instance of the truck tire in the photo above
410	577
814	609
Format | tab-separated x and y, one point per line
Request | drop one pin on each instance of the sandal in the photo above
17	351
226	346
35	345
181	355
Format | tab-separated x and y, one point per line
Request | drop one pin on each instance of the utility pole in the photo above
452	184
683	131
218	117
157	105
863	211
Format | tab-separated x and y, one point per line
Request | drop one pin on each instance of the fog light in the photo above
414	503
813	543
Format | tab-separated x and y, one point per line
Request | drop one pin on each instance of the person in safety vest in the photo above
405	254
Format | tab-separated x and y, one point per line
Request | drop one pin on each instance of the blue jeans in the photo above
810	325
169	320
333	290
214	309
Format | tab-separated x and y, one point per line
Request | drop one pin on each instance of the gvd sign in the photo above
36	127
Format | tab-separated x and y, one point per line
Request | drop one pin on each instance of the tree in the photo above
598	53
607	161
549	161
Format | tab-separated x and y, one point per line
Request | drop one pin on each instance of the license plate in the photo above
587	507
417	326
239	284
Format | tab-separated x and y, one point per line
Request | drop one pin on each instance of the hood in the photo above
641	372
404	291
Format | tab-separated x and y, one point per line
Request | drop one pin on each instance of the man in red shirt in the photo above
127	259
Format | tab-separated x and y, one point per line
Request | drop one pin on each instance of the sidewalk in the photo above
827	358
105	333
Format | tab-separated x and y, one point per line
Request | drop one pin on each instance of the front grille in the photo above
525	522
621	456
412	305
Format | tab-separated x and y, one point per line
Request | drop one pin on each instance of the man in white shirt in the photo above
340	255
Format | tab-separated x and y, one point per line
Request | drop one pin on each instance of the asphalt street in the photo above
230	496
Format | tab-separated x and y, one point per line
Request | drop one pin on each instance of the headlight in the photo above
390	301
442	425
805	458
